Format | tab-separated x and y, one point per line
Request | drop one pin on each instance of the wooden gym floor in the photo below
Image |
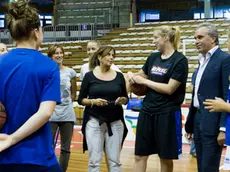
78	160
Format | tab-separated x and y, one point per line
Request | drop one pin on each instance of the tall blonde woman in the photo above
159	129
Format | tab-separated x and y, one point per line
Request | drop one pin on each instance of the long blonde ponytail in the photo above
173	34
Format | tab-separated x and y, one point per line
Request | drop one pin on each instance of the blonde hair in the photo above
95	41
103	51
92	61
172	32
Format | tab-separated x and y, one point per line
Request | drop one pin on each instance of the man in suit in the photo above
211	81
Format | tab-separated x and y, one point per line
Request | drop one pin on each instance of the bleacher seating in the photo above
84	12
133	45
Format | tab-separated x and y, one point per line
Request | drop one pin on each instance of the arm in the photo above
226	107
179	75
168	88
84	94
129	79
144	70
35	122
123	100
217	105
73	88
82	73
130	76
50	95
84	91
191	114
225	71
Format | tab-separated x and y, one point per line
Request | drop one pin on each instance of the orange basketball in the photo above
138	89
2	115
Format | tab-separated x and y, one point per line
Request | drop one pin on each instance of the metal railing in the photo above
66	32
72	12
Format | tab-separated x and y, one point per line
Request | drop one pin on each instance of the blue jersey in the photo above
27	79
228	122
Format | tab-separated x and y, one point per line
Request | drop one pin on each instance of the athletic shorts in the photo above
29	168
159	133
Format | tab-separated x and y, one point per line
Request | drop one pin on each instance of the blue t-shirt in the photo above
227	142
27	79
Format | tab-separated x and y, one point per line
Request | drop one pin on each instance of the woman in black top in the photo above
103	92
159	127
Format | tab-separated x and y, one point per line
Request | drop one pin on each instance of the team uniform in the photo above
159	127
28	78
227	142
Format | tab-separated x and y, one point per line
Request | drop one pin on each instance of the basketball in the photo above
138	89
2	115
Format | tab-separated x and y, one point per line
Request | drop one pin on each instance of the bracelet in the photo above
91	100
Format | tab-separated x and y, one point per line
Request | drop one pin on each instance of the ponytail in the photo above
176	41
173	34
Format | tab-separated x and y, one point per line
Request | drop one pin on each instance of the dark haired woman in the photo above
103	92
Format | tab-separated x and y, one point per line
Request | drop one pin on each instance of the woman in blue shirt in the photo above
29	90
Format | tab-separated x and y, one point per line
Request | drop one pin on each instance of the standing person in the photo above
219	105
3	49
103	92
29	90
63	117
159	122
211	81
92	47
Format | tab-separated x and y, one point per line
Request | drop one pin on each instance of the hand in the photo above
100	102
215	105
221	138
189	137
139	80
130	76
5	141
121	101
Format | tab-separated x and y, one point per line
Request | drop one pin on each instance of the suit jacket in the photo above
214	83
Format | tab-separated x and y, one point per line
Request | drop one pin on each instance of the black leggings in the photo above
66	132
